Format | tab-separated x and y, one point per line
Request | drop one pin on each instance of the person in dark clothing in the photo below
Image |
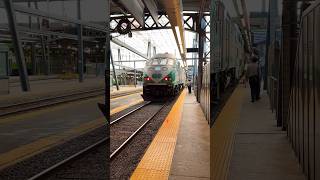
252	75
189	86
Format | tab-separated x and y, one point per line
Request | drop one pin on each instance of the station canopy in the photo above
171	40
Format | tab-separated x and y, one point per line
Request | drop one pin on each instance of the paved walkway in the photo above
192	152
262	150
181	147
247	145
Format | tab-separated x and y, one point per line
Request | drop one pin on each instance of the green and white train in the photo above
163	77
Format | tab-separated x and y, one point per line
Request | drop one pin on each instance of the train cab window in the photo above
163	61
159	62
154	62
170	62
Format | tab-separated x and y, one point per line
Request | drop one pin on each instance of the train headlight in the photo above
166	78
147	78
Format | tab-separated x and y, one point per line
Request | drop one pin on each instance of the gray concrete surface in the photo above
191	159
49	88
261	150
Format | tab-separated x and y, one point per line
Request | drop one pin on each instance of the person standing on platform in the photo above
252	74
189	86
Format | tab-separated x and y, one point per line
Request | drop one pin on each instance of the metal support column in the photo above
194	64
43	51
106	109
201	35
289	40
149	50
47	51
113	70
271	35
29	17
119	56
154	50
80	45
135	74
33	59
17	46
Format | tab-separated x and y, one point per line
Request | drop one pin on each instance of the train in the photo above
163	76
228	65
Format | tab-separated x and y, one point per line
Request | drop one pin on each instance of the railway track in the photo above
128	113
70	159
50	101
126	127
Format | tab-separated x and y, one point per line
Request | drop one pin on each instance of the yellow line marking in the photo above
156	162
121	108
28	150
123	97
222	135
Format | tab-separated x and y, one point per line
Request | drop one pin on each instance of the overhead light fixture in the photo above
179	39
182	52
178	34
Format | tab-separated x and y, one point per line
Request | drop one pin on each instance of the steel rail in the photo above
114	153
70	158
130	112
45	102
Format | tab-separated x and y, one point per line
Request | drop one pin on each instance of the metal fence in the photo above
304	110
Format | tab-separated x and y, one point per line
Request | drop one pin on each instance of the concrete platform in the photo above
26	134
191	159
262	150
51	87
124	89
181	148
247	145
23	135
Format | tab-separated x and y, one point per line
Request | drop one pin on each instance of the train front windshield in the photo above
162	62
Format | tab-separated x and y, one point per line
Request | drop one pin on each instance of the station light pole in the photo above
24	79
80	45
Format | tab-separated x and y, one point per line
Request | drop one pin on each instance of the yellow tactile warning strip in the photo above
28	150
222	136
156	162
